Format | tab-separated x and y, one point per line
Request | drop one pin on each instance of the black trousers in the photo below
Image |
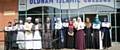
58	43
96	39
10	40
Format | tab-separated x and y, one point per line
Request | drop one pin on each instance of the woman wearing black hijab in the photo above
106	33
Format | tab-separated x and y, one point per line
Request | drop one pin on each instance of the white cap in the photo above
21	21
28	18
36	19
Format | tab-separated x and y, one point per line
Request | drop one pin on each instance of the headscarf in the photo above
59	20
105	19
88	23
65	20
88	20
58	24
79	19
74	20
96	20
48	19
71	26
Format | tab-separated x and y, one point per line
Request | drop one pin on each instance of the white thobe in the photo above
37	44
28	36
21	36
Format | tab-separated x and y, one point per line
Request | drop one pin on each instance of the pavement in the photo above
115	46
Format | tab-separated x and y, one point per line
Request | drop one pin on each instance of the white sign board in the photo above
63	4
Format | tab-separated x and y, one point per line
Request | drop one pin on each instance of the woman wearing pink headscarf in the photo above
80	41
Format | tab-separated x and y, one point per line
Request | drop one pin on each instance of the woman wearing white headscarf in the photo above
37	44
28	33
20	35
58	27
80	40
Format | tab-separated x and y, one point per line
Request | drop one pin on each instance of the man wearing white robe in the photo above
28	33
37	44
20	35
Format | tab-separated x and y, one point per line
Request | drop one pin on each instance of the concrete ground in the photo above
115	46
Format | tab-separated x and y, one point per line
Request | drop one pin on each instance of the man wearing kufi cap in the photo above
48	35
37	43
20	35
28	33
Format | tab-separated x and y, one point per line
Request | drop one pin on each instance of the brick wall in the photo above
5	6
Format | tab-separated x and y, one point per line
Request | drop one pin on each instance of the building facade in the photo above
8	12
69	8
21	9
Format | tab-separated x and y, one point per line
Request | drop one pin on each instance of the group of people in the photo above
58	33
81	35
24	36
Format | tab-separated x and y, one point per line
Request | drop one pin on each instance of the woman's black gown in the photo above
106	38
88	37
